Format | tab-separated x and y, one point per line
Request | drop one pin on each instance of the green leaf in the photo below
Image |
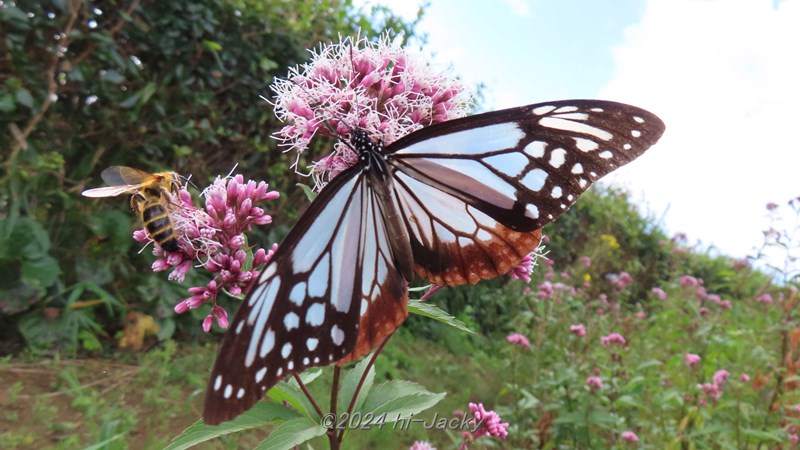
258	416
25	98
42	271
310	194
292	433
211	45
763	435
350	383
112	76
399	399
289	391
434	312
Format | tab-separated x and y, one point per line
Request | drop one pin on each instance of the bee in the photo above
151	199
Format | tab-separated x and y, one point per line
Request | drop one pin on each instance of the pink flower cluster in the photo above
379	87
421	445
659	293
489	423
764	298
613	338
518	340
714	389
578	330
524	269
594	382
623	280
692	359
215	236
629	436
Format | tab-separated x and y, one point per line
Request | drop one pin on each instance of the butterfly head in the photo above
363	145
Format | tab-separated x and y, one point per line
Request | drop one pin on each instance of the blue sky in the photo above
724	75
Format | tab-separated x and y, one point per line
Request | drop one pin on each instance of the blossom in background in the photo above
421	445
744	378
721	377
691	359
594	382
624	279
613	338
214	237
578	330
764	298
519	340
629	436
380	87
794	439
688	281
771	206
659	293
489	424
585	261
545	290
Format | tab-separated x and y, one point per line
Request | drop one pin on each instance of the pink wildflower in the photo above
578	330
691	359
623	280
524	269
519	340
641	315
771	206
545	290
488	423
764	298
712	390
630	437
721	377
688	281
613	338
794	439
379	87
745	378
585	261
594	382
659	293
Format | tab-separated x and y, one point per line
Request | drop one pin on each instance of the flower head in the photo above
764	298
488	423
578	330
629	436
688	281
421	445
519	340
524	269
379	87
613	338
594	382
692	359
659	293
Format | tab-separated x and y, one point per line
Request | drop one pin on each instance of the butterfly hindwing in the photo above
329	294
474	190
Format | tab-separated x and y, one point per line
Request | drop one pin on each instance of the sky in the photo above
724	75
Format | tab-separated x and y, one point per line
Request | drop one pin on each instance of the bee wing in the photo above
110	191
122	175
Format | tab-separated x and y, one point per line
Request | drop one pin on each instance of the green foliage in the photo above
154	85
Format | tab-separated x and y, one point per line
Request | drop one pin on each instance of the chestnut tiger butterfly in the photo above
454	203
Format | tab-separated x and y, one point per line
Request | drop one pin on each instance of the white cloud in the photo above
518	7
724	76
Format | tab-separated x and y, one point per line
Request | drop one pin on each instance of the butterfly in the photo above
454	203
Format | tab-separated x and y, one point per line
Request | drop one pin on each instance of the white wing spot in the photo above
636	133
286	350
570	197
364	306
550	216
566	109
536	149
316	359
575	127
266	344
240	393
319	278
563	206
279	372
337	335
228	391
557	157
298	293
240	326
260	374
556	192
315	314
218	382
542	110
606	154
291	321
596	110
572	116
627	146
582	183
577	169
534	180
592	174
290	366
638	119
586	145
532	211
306	361
312	343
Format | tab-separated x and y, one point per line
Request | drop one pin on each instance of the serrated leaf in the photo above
258	416
434	312
399	399
350	382
289	391
292	433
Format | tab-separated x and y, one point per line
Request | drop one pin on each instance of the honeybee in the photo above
151	199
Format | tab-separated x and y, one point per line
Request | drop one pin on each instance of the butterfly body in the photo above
454	203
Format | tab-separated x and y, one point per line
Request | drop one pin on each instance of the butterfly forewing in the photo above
329	294
474	189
